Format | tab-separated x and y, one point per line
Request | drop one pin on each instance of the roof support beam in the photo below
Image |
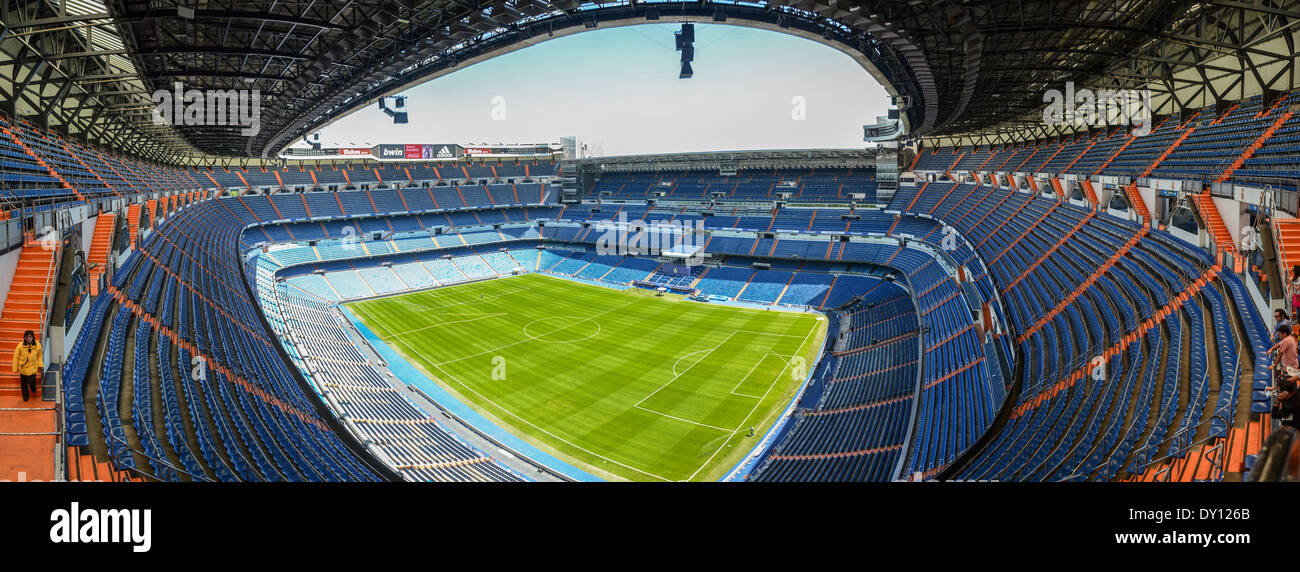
203	14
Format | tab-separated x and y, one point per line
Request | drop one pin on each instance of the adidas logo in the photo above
444	153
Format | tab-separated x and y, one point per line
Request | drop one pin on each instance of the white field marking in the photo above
725	440
362	310
722	429
476	318
489	298
674	378
434	294
733	390
751	411
412	305
512	414
769	334
706	356
784	358
593	317
580	320
679	360
751	371
529	423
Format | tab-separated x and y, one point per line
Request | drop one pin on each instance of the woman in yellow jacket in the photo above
28	361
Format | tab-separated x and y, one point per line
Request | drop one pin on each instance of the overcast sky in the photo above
617	90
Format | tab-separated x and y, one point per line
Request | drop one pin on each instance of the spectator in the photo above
1286	403
1284	351
1295	290
28	363
1280	319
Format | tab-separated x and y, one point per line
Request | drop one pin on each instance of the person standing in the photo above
28	363
1295	290
1287	399
1284	351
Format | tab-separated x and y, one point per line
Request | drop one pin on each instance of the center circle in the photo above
562	329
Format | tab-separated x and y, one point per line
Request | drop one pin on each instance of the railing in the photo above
1167	457
1185	430
1279	458
1213	454
905	454
113	474
11	200
1285	201
51	272
116	446
1280	257
1223	413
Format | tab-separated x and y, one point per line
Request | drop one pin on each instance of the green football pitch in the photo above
623	384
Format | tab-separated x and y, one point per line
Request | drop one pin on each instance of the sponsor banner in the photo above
389	152
425	151
416	152
519	150
312	152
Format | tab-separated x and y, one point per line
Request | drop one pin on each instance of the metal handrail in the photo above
1220	414
47	300
1144	466
114	474
1278	458
1167	471
114	443
1281	183
11	200
1111	456
1177	434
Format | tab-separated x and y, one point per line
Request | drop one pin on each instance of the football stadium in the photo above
253	241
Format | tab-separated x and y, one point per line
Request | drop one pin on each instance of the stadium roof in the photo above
974	68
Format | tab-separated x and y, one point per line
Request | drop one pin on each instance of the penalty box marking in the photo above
733	391
751	411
